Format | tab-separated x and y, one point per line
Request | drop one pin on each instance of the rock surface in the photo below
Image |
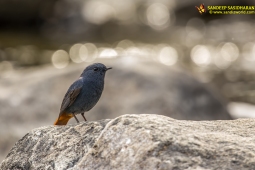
138	142
54	147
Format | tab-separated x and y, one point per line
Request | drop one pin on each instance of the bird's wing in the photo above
71	95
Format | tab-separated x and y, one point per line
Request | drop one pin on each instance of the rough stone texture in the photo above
32	97
138	142
53	147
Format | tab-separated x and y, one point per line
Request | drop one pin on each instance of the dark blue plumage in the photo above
83	94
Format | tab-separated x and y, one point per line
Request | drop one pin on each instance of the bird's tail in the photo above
63	119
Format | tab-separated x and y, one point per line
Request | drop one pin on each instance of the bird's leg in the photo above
76	118
84	117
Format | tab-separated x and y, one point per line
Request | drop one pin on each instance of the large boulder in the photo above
138	142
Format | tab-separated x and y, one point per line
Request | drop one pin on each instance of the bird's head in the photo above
95	70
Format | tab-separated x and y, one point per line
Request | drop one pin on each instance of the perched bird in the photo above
83	94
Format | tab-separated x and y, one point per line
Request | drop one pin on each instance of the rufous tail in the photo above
63	119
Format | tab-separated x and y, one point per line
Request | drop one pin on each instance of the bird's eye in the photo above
95	69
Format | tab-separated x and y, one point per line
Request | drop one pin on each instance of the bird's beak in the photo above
108	68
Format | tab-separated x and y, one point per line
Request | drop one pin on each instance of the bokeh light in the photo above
74	53
133	51
60	59
83	53
92	52
108	53
201	55
229	52
168	55
226	53
98	12
158	16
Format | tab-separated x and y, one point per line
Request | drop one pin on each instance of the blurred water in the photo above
219	49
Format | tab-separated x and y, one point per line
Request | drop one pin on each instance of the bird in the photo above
83	94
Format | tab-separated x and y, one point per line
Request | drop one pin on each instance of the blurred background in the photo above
167	59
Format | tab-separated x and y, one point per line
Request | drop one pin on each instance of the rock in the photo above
138	142
54	147
32	97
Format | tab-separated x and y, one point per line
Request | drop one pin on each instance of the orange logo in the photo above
201	9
